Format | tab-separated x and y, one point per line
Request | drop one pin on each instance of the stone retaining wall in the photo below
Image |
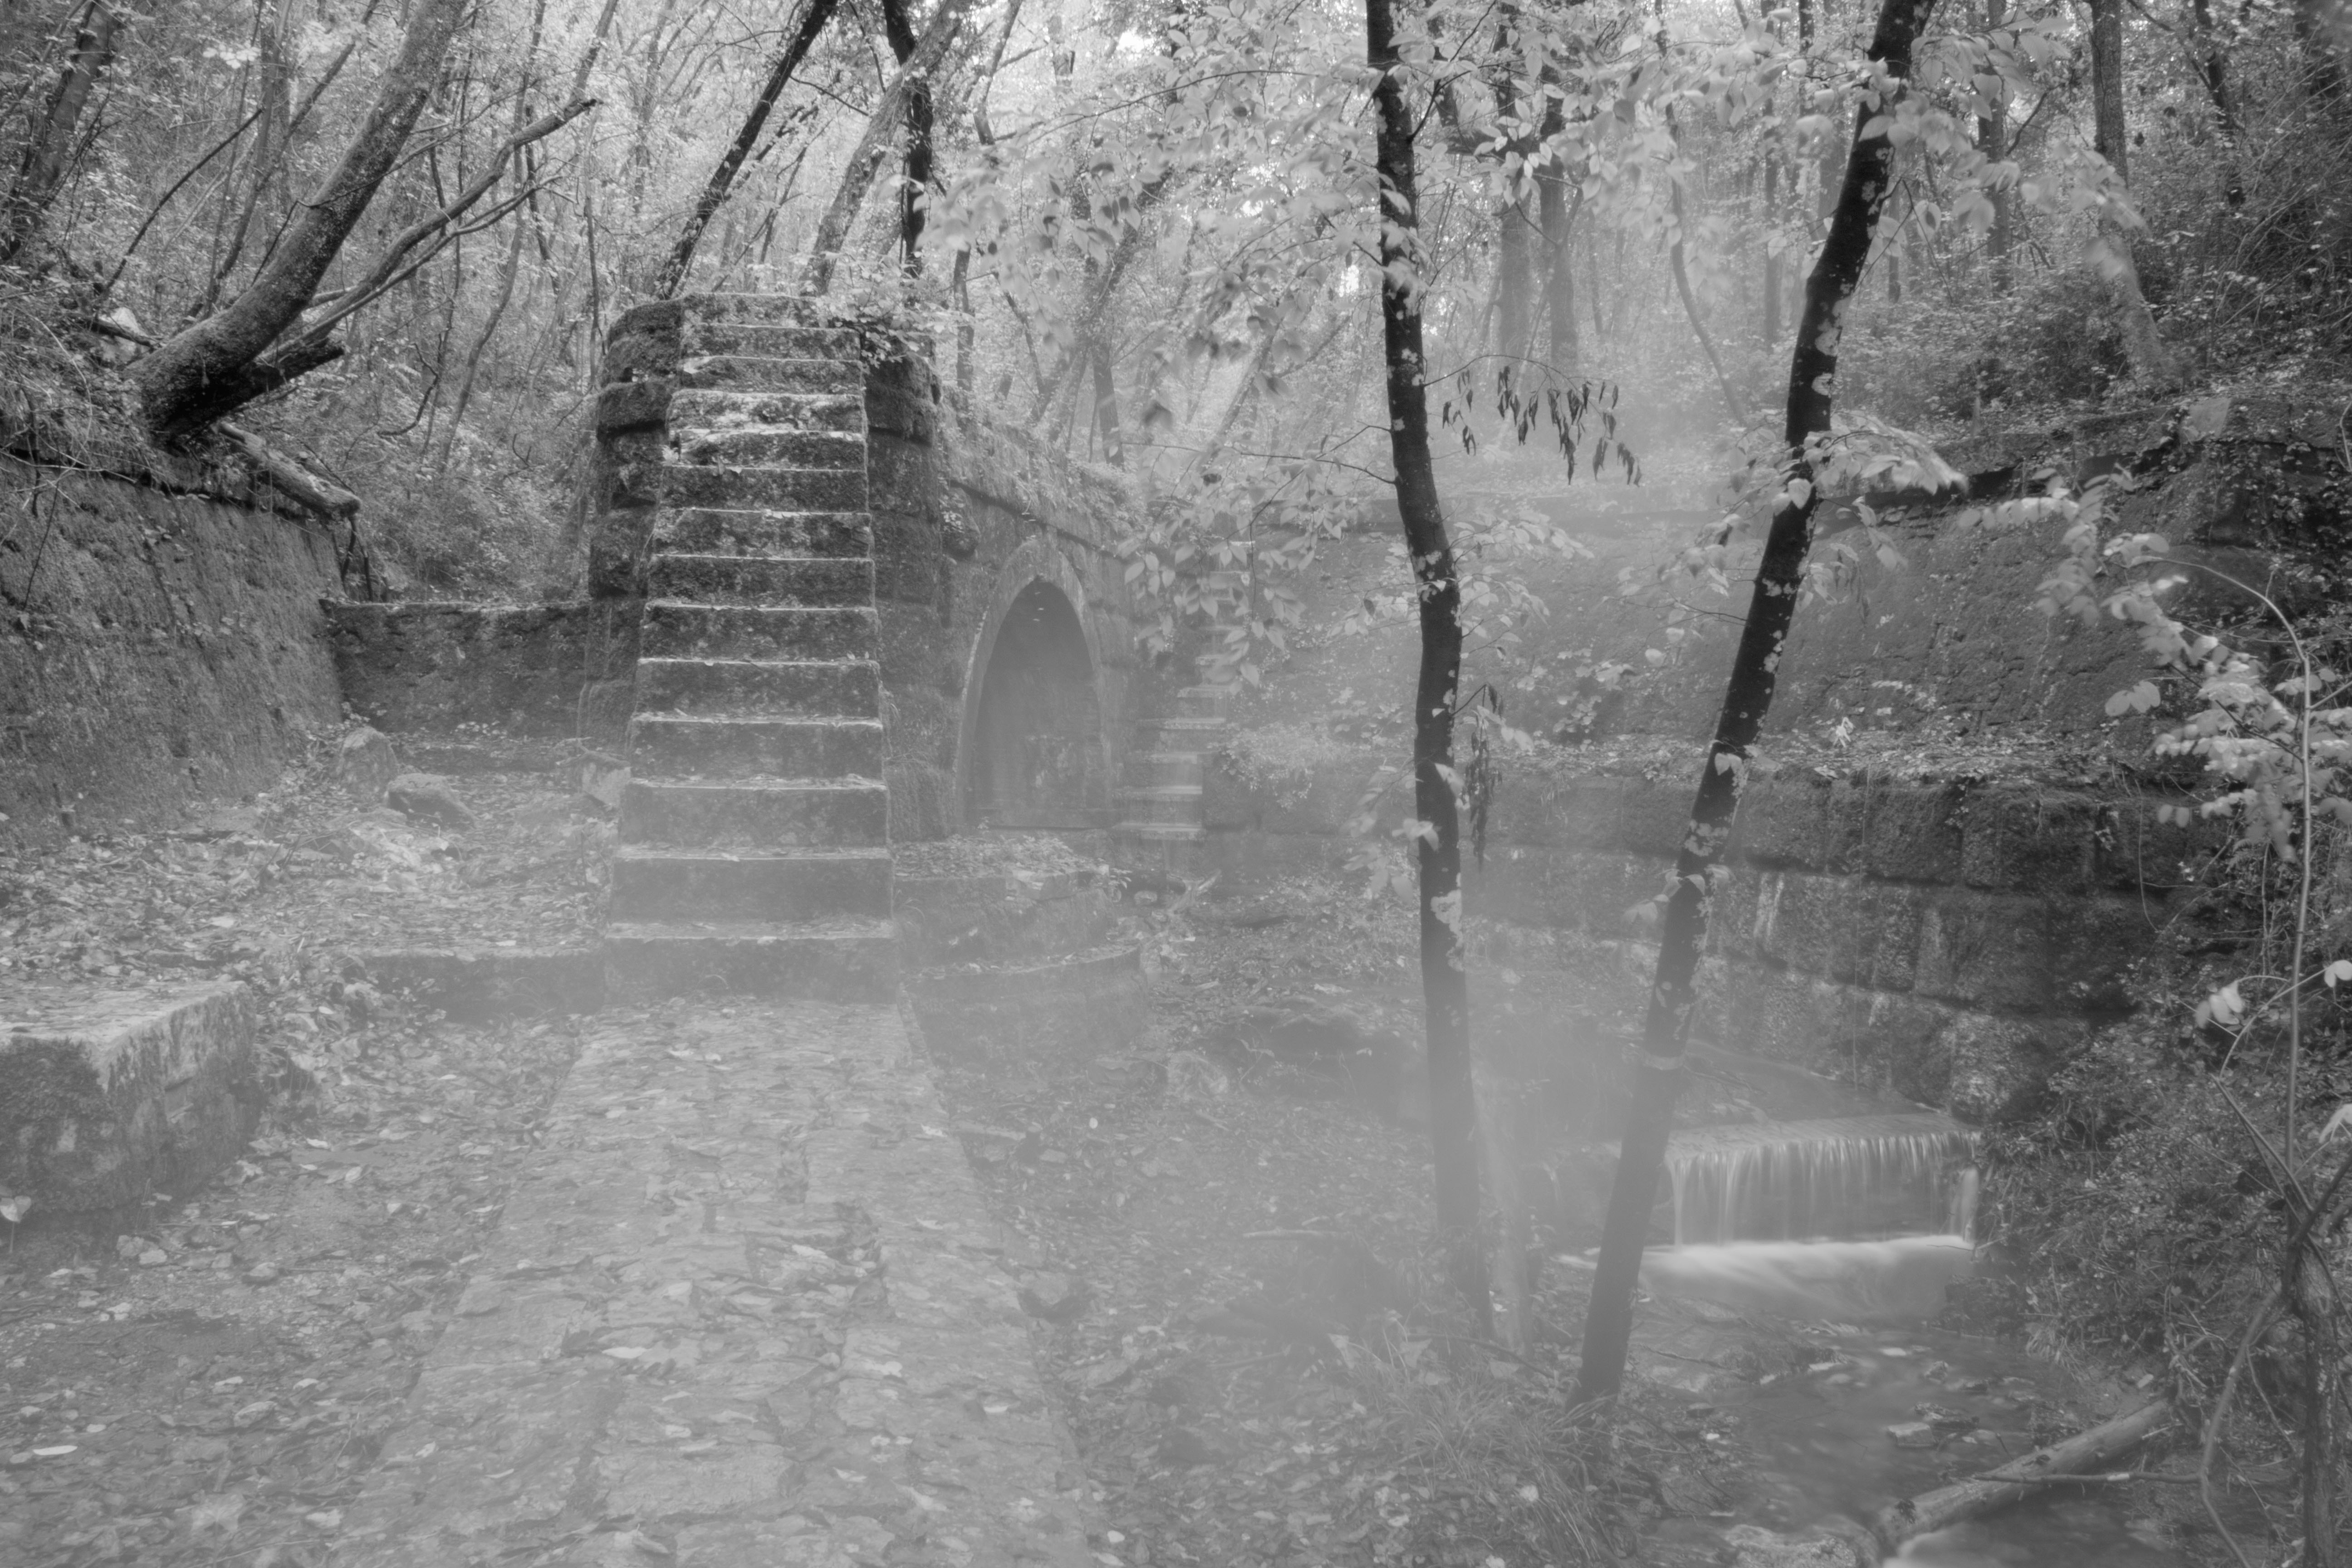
432	667
1947	939
160	646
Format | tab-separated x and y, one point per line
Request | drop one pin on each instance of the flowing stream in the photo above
1853	1228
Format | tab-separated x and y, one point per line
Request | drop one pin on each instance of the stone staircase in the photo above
1161	824
754	835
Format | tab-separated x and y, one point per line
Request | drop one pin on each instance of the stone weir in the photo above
755	851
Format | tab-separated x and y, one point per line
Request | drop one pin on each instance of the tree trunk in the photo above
815	14
1993	141
866	161
176	381
2144	346
1444	984
1102	284
981	130
2211	58
1513	287
43	167
1514	270
901	31
1698	323
2311	1295
310	349
2108	86
1560	278
1748	695
1771	256
514	247
1498	1147
1106	408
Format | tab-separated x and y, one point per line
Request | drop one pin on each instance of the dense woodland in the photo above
1227	245
1146	231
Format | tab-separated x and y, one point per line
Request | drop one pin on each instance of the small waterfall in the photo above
1851	1179
1865	1216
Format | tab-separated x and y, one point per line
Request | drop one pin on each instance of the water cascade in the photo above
1863	1216
1851	1179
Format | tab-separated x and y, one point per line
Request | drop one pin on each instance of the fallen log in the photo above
290	479
2090	1451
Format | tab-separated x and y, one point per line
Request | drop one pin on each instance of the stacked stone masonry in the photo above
754	851
1949	939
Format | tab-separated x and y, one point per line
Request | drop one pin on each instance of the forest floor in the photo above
1226	1267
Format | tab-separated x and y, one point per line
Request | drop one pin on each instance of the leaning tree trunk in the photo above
1609	1325
866	160
2083	1454
43	167
177	381
1444	984
813	17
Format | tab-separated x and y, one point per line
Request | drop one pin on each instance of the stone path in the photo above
744	1308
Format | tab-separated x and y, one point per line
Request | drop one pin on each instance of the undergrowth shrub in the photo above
2131	1211
1931	361
465	532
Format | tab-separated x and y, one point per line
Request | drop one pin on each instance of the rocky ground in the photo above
208	1382
211	1384
1220	1234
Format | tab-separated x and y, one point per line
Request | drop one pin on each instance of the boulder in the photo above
427	797
365	765
604	780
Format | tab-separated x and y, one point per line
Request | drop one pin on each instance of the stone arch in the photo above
1035	749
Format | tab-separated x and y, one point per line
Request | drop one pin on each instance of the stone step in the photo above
1208	701
720	530
1195	736
702	409
768	446
832	961
772	489
740	750
1178	803
846	813
697	311
800	689
810	582
659	883
1160	832
768	339
1149	768
752	372
679	630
